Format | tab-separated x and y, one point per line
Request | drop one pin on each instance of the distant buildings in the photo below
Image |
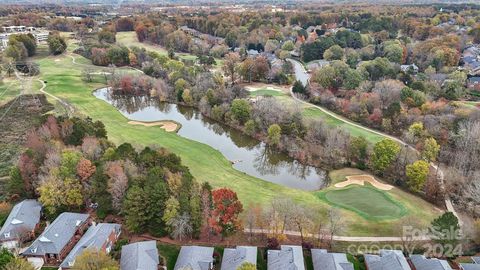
471	59
21	224
140	255
474	83
39	34
288	258
195	258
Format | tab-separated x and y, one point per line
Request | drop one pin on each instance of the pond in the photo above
247	154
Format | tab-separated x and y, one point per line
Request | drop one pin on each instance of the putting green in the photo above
367	201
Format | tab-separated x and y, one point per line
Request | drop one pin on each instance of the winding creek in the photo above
249	155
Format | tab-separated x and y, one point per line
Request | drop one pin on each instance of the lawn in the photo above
204	162
266	92
130	39
367	201
311	112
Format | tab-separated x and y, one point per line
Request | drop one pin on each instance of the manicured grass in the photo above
313	112
205	163
130	39
367	201
471	104
266	92
310	112
413	206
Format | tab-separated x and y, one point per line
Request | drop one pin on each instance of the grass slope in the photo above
205	163
310	112
367	201
130	39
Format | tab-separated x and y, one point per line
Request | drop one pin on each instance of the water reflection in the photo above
249	155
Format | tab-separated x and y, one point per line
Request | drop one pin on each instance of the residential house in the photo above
387	260
140	255
471	59
322	260
100	237
474	83
475	265
316	64
420	262
235	257
54	244
195	258
287	258
21	223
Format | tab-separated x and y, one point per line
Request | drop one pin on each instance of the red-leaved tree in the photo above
226	210
85	169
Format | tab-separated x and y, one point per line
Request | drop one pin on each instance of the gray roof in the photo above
322	260
469	266
474	79
195	258
140	256
234	257
288	258
252	52
422	263
57	234
23	217
388	260
95	237
476	260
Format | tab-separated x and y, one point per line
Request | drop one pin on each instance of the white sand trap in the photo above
168	126
57	60
361	179
100	73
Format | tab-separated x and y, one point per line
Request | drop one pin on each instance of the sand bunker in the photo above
168	126
361	179
263	86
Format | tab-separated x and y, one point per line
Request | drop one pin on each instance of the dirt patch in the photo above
168	126
361	179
